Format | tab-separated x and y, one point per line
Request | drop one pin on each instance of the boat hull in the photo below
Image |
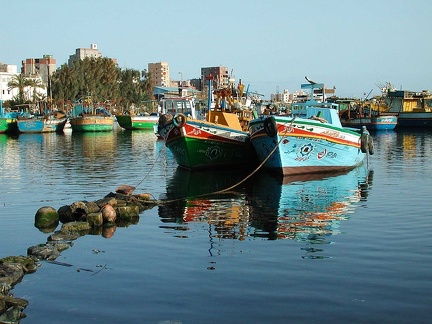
200	145
89	123
8	125
34	125
374	123
415	119
137	122
306	146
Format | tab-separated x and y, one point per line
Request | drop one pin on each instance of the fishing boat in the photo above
220	140
8	121
369	114
138	122
310	140
136	119
85	117
414	109
48	123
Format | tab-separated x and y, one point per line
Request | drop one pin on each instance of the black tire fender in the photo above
179	120
270	126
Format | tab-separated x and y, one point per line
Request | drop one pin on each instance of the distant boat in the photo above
221	140
91	119
49	123
414	109
366	113
137	122
310	140
8	119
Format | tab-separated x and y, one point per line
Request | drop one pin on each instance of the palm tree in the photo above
35	84
20	82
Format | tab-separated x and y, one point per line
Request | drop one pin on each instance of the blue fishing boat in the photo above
369	113
309	140
48	123
8	119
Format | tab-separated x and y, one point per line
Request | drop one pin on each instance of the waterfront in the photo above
350	248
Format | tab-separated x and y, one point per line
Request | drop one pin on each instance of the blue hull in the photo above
376	123
41	125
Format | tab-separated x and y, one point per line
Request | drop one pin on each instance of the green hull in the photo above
137	122
193	154
92	124
8	125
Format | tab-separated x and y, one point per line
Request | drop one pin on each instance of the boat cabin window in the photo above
174	106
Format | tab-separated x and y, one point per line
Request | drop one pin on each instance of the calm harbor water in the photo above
348	248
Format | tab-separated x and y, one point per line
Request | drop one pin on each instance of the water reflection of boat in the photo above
305	208
196	197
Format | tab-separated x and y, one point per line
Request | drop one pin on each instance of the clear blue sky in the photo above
270	44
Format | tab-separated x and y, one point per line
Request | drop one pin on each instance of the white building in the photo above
82	53
7	71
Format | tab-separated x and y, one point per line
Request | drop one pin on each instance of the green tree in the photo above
103	80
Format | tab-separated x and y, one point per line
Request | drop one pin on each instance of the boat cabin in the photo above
175	106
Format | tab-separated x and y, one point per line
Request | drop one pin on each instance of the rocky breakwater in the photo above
103	216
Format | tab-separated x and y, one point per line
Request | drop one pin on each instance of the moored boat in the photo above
221	140
310	140
137	122
369	114
8	119
414	109
48	123
91	119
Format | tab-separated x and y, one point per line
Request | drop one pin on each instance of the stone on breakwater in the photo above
128	212
95	219
81	228
75	212
46	217
108	213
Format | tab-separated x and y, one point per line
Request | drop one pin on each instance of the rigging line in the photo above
247	177
154	163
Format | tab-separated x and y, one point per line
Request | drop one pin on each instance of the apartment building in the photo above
219	74
160	74
82	53
42	67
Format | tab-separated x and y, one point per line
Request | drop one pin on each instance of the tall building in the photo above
42	67
82	53
159	73
219	74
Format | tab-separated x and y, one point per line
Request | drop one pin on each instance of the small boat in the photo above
137	122
8	122
310	140
8	119
91	119
369	114
221	140
49	123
